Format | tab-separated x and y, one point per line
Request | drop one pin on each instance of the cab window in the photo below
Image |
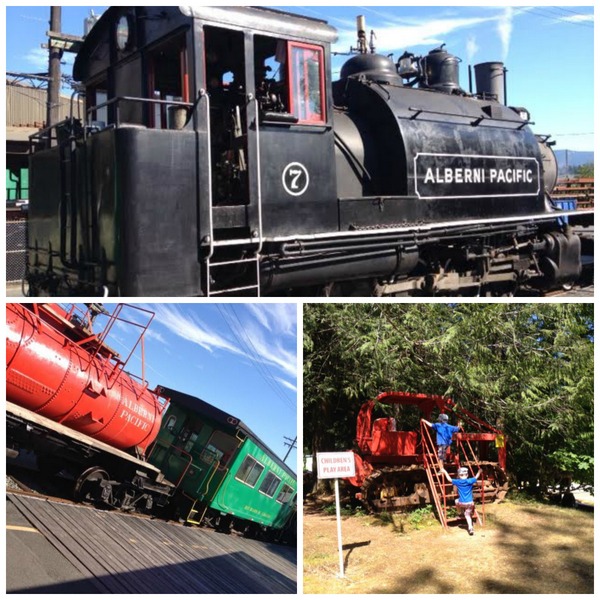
307	82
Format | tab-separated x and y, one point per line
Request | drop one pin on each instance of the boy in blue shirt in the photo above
464	485
444	432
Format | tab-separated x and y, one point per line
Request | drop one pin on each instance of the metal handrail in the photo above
258	177
434	478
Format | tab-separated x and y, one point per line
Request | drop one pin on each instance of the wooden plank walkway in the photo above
125	554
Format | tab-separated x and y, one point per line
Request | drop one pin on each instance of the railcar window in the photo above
170	424
307	82
191	441
270	484
223	446
285	494
249	472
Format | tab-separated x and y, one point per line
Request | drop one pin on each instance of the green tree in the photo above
586	170
528	367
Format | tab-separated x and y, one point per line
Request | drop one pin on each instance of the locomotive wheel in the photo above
89	486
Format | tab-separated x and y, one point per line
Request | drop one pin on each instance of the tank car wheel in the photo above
93	485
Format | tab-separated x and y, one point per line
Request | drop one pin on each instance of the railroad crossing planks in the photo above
126	554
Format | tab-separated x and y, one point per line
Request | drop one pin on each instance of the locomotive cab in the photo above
198	121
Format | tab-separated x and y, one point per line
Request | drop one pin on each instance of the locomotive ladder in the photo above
251	285
215	261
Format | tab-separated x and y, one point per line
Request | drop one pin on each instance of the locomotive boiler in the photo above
216	156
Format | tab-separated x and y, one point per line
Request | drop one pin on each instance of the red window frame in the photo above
312	118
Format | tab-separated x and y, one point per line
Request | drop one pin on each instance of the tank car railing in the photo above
110	360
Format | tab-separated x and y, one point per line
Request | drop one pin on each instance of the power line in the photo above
254	356
540	12
263	366
291	443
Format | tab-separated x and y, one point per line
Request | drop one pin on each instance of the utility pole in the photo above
54	58
291	444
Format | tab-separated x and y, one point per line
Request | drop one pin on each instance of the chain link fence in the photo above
16	247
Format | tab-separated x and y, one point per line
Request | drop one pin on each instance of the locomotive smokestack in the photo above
490	80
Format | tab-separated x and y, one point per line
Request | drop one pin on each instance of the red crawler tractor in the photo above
399	469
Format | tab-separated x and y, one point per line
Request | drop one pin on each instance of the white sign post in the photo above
333	465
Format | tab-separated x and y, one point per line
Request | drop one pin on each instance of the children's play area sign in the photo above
333	465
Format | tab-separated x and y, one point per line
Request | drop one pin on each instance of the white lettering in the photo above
429	176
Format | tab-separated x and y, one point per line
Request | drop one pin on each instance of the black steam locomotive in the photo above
216	156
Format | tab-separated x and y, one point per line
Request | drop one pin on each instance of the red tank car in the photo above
59	368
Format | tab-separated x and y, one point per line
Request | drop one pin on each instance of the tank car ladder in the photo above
213	261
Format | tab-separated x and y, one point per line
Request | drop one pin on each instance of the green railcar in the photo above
225	475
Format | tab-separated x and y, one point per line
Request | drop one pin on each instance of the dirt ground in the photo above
522	549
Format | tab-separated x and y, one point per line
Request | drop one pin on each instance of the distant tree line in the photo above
585	171
525	367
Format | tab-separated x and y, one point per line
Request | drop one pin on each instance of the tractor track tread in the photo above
371	481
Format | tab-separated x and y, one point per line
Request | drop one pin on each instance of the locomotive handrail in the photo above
476	120
211	247
252	98
117	99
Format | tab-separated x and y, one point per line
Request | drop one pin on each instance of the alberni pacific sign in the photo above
464	176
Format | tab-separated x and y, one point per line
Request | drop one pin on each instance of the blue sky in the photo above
239	357
548	50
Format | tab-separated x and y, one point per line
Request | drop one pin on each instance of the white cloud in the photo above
278	317
579	18
150	333
472	48
187	327
38	59
260	339
287	384
505	25
394	37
